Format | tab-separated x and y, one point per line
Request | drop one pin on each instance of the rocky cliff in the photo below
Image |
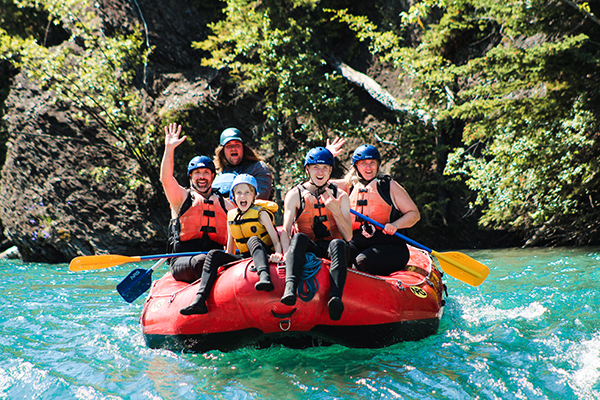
66	187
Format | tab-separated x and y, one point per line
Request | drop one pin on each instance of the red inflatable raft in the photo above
379	311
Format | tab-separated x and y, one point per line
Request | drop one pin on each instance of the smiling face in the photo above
201	180
368	169
243	195
319	173
234	152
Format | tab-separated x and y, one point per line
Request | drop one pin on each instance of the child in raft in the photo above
251	231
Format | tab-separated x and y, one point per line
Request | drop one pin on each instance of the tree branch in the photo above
583	10
378	93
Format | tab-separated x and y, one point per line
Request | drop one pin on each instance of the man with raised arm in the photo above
198	215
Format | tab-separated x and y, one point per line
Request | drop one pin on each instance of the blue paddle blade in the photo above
135	284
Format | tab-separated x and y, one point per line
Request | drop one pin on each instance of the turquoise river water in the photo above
531	331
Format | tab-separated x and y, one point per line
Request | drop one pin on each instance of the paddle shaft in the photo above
480	273
171	255
377	224
148	272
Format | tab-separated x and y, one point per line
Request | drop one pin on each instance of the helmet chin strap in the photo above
320	189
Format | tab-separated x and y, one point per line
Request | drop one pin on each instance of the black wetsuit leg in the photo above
339	254
379	255
187	269
260	256
214	260
295	260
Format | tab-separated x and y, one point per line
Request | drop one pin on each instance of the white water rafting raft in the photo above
379	310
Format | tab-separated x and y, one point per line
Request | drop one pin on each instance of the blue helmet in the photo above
230	134
243	178
201	162
365	152
319	155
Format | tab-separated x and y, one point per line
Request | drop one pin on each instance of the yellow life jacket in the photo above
244	226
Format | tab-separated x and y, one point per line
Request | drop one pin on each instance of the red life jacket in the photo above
313	219
200	218
374	201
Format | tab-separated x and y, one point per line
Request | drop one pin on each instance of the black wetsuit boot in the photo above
293	267
261	262
214	260
338	252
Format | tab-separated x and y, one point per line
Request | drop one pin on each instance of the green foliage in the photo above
525	104
524	180
273	51
518	81
523	80
90	70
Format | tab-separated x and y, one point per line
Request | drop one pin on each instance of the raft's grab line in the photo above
424	279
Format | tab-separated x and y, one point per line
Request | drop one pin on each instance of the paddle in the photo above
455	264
137	282
84	263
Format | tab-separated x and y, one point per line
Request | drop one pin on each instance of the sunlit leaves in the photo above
271	51
525	179
90	70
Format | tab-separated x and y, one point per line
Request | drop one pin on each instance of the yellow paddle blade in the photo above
84	263
462	267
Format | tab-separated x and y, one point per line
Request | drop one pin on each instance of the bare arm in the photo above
228	204
176	194
404	204
265	220
231	247
291	205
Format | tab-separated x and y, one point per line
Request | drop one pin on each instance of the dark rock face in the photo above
64	189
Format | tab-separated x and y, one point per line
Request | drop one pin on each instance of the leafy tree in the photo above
274	51
523	80
90	70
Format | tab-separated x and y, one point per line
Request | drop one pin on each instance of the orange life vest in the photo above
374	201
313	218
203	218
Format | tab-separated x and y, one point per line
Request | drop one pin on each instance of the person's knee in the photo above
183	270
254	243
338	244
361	262
213	259
299	241
338	247
198	261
